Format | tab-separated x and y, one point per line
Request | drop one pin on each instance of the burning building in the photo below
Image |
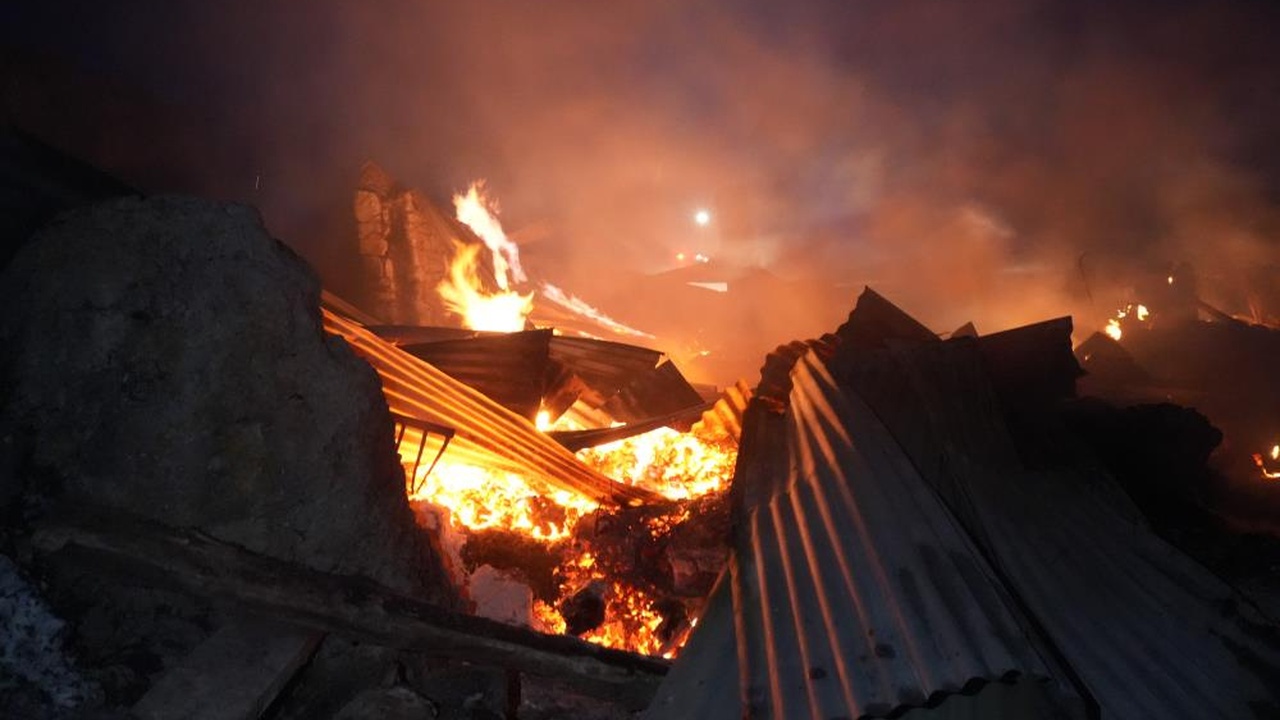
887	523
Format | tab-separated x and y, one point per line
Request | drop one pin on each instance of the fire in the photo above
1115	330
1262	463
462	293
577	305
677	465
480	498
479	212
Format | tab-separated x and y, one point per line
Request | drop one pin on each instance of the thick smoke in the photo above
1000	161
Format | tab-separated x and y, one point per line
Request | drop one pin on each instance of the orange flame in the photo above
677	465
1115	329
462	293
1262	463
478	212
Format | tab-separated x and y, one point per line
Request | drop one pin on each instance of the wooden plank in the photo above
234	675
353	607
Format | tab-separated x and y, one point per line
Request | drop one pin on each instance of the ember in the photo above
1265	463
678	466
1115	329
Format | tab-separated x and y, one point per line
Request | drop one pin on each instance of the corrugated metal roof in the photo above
509	368
606	367
411	334
1148	632
854	592
486	432
662	390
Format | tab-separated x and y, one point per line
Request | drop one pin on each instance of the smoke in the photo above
1000	160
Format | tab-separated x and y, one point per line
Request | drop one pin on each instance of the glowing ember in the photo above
1262	463
478	212
462	293
1115	329
677	465
479	498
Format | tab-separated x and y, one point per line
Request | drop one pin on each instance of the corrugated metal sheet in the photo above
606	367
854	592
486	432
1148	632
411	334
725	416
662	390
509	368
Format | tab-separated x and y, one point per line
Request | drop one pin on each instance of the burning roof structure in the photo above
887	525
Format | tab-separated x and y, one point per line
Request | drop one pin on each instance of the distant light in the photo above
702	217
702	258
680	257
1170	278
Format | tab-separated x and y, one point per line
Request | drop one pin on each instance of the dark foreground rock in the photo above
165	356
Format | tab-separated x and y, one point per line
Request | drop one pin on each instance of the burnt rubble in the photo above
204	507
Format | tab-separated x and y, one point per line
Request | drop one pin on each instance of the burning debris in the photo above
888	523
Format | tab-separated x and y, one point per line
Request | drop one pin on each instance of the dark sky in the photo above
936	147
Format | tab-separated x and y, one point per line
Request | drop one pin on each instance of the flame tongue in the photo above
497	312
478	212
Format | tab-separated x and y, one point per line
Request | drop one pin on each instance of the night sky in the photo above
941	149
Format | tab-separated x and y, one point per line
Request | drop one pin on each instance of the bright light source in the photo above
702	217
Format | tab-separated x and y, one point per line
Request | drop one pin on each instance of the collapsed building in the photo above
280	486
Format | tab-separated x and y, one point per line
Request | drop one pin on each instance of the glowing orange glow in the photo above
677	465
1262	463
480	498
479	212
1115	326
462	293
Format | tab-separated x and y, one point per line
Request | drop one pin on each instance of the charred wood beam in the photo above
354	607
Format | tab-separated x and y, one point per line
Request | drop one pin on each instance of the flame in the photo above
677	465
1262	463
481	498
1115	328
462	293
478	212
575	304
